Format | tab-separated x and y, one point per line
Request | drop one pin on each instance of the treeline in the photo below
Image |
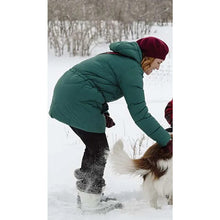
77	25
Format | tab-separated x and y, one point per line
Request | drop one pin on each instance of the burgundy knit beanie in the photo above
153	47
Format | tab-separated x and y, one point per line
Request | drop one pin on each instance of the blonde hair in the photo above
146	63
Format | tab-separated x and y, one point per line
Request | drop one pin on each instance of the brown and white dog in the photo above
155	167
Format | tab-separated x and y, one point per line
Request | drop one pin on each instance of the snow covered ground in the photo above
65	148
23	117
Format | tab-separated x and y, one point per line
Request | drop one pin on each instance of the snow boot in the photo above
85	181
91	203
102	199
97	187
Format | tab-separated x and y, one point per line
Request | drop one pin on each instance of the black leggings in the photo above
94	158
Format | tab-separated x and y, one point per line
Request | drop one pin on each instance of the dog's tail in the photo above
121	162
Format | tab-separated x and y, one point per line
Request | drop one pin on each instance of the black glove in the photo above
169	129
109	121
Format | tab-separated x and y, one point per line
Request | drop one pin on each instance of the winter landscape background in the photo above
24	115
65	148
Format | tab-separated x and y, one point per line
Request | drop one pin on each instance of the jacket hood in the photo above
129	49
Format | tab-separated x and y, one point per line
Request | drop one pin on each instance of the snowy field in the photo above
65	149
23	161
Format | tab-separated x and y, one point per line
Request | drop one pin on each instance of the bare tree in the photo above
75	25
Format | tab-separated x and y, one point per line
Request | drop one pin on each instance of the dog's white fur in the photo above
153	188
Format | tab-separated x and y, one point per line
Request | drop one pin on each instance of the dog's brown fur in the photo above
155	167
150	158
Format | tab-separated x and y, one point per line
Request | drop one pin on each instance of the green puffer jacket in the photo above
80	94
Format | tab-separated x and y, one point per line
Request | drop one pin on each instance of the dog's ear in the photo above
156	152
152	151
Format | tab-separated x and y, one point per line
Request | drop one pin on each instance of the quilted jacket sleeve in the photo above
132	87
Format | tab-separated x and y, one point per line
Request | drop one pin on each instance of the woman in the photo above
80	101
